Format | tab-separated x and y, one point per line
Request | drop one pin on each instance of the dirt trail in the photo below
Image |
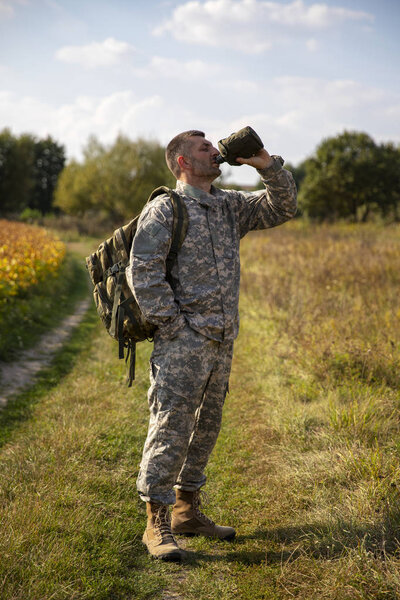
17	375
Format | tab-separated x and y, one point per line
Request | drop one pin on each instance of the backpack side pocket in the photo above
103	304
94	268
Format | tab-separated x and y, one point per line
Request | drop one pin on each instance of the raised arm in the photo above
275	204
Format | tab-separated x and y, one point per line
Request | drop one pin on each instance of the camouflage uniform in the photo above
197	320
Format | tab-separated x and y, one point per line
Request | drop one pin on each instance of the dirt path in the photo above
20	374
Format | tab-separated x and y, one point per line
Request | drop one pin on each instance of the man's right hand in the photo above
262	160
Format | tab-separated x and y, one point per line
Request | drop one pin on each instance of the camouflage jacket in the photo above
207	270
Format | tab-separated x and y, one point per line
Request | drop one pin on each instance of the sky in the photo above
297	71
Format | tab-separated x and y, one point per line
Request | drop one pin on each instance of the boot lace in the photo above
162	525
201	498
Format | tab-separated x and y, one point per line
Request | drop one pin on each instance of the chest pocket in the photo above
196	259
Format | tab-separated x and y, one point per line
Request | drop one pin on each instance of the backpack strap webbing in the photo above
108	252
179	226
124	241
179	229
115	318
131	353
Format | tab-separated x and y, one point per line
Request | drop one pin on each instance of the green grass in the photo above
22	408
307	465
68	485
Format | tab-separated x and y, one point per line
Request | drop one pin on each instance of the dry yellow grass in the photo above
334	292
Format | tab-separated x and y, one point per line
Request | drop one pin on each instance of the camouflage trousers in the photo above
188	383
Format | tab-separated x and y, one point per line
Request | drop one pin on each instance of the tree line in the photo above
114	181
29	171
349	176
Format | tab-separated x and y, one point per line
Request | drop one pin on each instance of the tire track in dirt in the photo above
20	374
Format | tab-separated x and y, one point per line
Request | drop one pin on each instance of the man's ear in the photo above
183	163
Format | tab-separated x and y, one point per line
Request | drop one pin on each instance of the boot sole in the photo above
175	556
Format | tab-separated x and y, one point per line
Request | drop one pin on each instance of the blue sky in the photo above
297	70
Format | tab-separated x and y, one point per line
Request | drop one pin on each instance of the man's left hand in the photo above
261	160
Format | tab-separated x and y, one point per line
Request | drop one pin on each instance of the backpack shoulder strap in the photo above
179	225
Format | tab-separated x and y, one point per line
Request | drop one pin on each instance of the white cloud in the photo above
7	9
312	45
71	124
96	54
315	16
251	26
171	68
208	74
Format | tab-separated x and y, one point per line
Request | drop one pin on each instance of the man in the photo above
197	320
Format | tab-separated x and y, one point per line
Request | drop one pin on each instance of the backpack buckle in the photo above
118	267
115	269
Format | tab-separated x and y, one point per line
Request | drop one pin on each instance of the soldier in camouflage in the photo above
197	322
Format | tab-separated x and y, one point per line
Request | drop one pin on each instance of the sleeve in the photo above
146	273
272	206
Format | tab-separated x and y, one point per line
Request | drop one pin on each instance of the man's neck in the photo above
197	182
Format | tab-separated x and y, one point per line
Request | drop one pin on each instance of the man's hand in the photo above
262	160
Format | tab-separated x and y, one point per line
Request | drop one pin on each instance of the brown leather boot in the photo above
158	537
187	518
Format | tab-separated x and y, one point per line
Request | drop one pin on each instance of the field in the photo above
37	283
27	255
307	466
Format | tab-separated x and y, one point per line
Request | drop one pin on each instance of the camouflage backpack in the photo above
115	303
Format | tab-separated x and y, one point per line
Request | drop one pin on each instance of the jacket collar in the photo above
202	198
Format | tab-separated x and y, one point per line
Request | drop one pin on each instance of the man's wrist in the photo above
274	166
269	164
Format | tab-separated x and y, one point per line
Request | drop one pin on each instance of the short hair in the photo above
178	146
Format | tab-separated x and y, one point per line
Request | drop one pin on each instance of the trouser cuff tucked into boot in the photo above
187	518
158	537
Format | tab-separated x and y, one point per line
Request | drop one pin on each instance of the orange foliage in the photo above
27	255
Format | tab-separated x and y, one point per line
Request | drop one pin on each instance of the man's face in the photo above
201	156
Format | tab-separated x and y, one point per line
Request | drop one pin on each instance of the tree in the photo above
388	181
298	173
49	159
341	179
16	171
74	191
114	181
29	169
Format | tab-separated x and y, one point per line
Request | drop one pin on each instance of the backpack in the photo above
115	303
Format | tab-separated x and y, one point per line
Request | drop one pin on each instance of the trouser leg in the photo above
207	423
180	370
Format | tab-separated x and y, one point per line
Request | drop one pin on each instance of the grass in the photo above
307	465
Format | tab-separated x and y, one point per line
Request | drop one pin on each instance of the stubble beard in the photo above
200	169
